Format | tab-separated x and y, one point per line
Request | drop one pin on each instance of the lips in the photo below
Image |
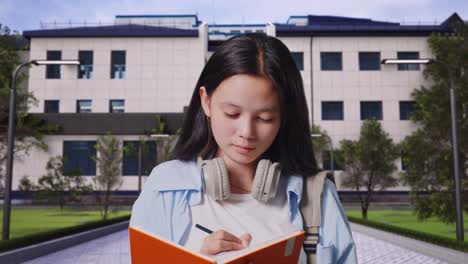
243	150
246	147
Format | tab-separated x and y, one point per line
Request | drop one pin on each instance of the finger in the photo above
213	247
246	239
224	245
224	235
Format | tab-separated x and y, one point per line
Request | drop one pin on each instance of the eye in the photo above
265	120
231	115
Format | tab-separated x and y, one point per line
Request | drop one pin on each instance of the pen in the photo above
203	228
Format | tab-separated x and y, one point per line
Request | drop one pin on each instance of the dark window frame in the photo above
118	67
78	106
365	65
326	161
85	70
328	106
83	161
404	165
48	108
406	109
407	55
327	62
130	159
298	57
53	71
365	115
111	106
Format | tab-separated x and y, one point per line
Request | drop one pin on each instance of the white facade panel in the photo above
166	64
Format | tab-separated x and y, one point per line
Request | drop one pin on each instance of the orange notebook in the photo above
148	248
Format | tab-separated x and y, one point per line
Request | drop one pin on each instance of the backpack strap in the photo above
311	213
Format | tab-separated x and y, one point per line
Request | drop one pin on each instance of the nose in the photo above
246	129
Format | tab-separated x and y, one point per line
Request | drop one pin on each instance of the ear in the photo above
205	101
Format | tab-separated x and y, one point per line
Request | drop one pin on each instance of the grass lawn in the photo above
32	221
407	219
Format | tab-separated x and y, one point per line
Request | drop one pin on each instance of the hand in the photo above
222	240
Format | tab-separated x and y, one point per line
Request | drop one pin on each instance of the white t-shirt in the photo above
241	213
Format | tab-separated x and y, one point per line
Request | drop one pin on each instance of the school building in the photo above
144	65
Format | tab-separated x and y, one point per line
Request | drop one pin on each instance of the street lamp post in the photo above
453	117
332	166
140	161
11	139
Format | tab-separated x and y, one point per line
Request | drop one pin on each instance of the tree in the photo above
56	185
320	144
29	131
427	153
368	163
26	185
164	145
109	179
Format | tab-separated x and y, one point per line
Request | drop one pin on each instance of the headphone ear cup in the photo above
258	182
266	180
216	179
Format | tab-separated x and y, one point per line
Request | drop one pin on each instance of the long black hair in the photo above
259	55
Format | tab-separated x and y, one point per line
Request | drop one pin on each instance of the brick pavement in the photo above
114	249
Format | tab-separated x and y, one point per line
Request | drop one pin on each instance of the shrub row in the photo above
434	239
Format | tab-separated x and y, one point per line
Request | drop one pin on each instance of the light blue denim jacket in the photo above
163	209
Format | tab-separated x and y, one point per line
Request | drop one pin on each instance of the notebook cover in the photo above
148	248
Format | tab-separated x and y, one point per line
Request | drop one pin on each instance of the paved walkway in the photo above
114	249
371	250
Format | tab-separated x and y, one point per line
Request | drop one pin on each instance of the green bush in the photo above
434	239
49	235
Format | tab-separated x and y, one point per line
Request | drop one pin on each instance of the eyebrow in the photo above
272	109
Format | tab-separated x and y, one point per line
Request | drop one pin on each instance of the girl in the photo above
248	105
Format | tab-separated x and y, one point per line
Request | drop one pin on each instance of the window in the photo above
406	109
330	61
369	61
83	106
235	31
118	64
259	31
404	161
326	161
332	110
116	106
51	106
408	56
298	58
130	157
53	71
371	110
79	157
85	71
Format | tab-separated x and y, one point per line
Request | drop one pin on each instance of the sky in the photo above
28	14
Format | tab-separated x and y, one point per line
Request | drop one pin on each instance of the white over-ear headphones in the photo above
216	179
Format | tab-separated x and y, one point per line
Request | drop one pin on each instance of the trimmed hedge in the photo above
434	239
53	234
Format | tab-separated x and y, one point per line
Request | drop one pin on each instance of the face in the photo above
245	116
